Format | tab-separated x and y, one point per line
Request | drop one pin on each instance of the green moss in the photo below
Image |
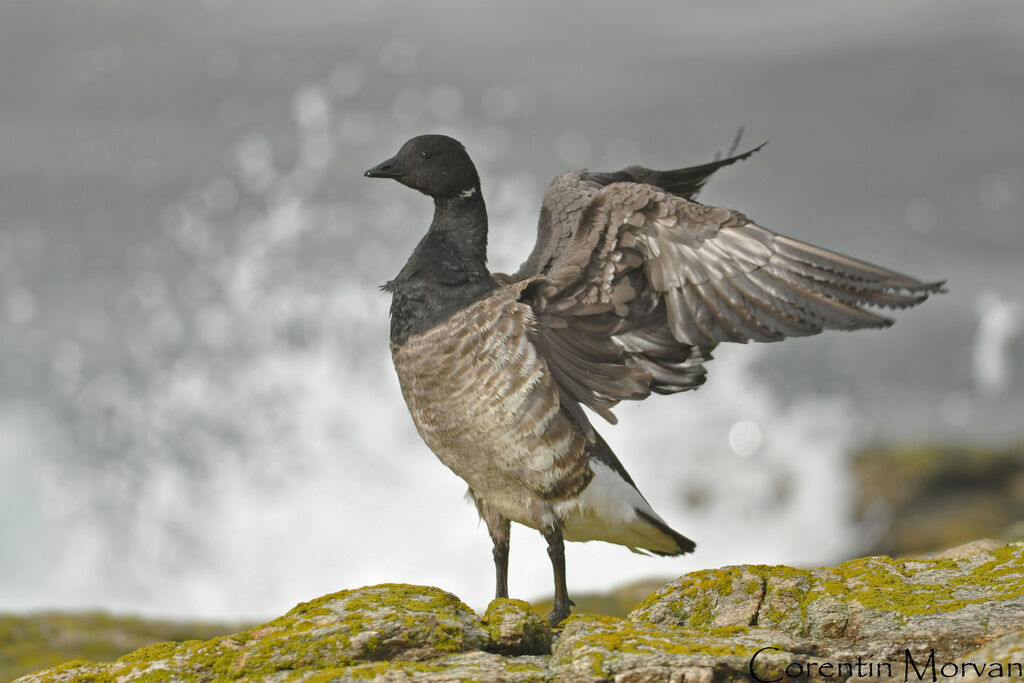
326	675
513	628
1006	560
655	598
319	635
33	642
503	606
641	643
773	614
883	583
887	584
361	633
700	593
157	651
609	636
779	571
902	587
402	596
376	670
702	613
728	631
159	676
522	667
54	672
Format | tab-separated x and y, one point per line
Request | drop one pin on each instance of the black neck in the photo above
448	269
460	223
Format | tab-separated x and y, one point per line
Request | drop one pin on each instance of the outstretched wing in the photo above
570	193
640	284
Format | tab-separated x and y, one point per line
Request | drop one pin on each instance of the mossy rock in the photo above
958	600
707	626
393	622
593	648
514	628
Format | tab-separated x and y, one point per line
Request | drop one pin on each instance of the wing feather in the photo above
639	284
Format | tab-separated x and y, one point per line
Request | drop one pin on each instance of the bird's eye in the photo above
426	155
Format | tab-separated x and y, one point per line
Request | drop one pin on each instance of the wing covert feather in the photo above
639	284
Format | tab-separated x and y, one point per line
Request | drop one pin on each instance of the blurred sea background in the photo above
198	414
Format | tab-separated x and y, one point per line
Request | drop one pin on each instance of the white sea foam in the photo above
261	454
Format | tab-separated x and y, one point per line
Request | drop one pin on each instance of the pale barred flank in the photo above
483	400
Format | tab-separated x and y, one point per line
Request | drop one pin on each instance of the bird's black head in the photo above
436	165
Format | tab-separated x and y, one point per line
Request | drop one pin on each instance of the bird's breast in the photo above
483	400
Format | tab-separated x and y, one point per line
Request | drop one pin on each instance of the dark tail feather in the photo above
687	182
684	182
685	544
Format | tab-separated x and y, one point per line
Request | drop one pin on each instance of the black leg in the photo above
500	530
556	551
501	568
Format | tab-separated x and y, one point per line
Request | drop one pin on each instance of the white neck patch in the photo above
466	194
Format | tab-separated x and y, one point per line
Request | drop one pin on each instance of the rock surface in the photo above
514	628
866	619
876	606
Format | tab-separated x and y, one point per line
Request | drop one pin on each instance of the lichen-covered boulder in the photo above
514	628
386	622
876	605
606	648
961	611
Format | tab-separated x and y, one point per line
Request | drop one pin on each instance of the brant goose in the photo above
629	287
